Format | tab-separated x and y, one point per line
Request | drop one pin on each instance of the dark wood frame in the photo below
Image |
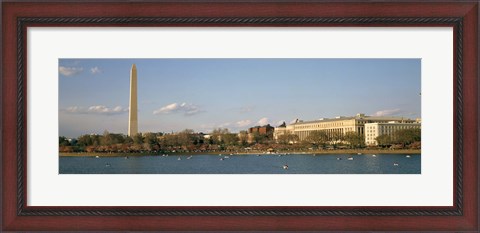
462	16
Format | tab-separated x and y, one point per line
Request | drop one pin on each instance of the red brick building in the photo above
263	130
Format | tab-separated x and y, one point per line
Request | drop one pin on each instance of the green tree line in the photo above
184	141
410	138
405	138
223	140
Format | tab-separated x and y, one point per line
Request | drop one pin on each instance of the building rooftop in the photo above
392	123
358	116
258	126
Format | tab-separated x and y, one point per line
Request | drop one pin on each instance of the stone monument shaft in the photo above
132	116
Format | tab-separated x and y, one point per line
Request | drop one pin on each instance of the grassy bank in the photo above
317	152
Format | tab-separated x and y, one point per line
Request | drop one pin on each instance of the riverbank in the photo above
316	152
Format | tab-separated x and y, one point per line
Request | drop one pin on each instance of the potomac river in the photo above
244	164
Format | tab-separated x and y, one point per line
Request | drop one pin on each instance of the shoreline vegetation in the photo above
316	152
222	141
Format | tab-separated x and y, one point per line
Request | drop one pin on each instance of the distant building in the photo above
338	125
373	130
280	130
263	130
266	130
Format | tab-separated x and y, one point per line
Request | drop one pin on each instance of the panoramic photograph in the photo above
239	116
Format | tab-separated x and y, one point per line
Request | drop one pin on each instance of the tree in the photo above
186	137
106	139
150	141
128	140
292	138
243	137
62	141
259	138
287	138
408	136
218	134
319	138
384	140
95	139
146	147
117	138
169	140
85	140
283	139
354	139
138	139
336	136
230	139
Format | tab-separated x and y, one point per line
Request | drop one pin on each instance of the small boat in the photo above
179	158
374	155
350	158
221	159
339	158
107	165
314	155
126	157
97	157
408	156
189	157
285	167
258	155
395	164
231	154
359	153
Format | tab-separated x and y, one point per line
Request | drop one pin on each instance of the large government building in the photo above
373	130
342	125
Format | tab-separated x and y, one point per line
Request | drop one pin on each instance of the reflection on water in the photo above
244	164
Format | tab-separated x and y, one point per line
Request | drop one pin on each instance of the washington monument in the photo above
132	115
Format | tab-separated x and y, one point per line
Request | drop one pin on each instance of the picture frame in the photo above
18	16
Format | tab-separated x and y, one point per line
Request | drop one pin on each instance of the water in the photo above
243	164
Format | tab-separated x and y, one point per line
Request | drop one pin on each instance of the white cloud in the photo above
167	109
95	70
186	109
243	123
263	121
69	71
74	109
387	112
96	109
233	127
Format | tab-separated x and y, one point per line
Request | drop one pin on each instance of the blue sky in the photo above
202	94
